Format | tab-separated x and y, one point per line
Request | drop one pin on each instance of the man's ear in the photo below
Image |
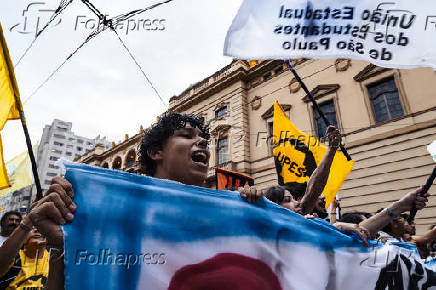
155	154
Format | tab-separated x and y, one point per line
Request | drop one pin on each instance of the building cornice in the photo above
368	72
235	72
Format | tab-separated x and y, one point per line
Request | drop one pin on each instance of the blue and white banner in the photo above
136	232
394	34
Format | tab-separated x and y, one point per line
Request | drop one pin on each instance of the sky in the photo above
100	89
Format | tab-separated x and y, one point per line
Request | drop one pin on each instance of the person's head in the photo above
320	209
408	227
34	240
176	148
354	217
9	221
396	228
283	197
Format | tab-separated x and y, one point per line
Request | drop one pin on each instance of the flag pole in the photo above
427	186
315	104
29	149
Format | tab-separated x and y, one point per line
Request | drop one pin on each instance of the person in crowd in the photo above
355	217
388	220
409	229
426	243
25	268
311	201
9	221
394	231
175	148
283	197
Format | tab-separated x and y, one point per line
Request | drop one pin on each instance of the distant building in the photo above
18	200
122	156
18	197
387	118
59	141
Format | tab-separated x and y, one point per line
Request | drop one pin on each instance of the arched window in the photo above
117	163
130	159
105	165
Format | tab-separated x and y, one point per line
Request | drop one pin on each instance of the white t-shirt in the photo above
2	239
389	238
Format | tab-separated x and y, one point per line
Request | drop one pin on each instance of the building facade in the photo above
122	156
59	141
18	200
387	118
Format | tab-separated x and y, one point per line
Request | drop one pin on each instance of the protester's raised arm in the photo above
383	218
54	210
335	205
425	241
319	177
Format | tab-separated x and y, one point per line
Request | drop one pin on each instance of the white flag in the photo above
394	34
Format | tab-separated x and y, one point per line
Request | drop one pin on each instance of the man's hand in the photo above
333	137
54	209
414	197
348	228
250	193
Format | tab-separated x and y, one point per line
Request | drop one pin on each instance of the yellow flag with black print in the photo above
297	155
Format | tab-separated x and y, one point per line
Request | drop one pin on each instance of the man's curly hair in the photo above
155	137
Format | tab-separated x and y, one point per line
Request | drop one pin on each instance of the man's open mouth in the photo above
200	157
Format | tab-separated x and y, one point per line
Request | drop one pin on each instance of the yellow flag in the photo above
19	171
253	63
9	93
297	155
8	86
4	180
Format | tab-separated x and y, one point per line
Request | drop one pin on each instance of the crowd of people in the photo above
176	148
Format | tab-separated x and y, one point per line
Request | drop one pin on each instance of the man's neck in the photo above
34	253
162	174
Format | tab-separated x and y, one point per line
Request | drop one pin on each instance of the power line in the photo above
64	4
107	23
124	17
139	66
93	9
91	36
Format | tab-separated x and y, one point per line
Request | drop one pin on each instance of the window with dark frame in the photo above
221	112
385	100
328	108
278	70
222	151
267	76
